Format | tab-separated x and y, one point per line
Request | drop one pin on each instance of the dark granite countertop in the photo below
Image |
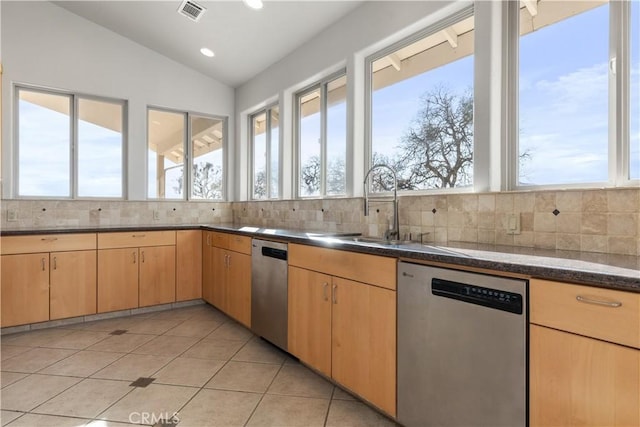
594	269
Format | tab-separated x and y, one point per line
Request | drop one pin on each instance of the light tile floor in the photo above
208	369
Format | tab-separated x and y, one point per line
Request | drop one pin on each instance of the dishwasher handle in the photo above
274	253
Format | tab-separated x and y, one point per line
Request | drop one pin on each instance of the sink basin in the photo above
401	244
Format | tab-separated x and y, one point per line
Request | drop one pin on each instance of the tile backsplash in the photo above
600	220
80	213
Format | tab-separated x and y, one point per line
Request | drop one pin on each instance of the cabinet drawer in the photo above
372	269
47	243
133	239
220	240
240	244
594	312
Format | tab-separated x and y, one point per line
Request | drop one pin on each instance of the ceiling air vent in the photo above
191	10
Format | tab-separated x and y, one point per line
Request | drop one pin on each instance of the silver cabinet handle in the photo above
229	261
134	257
138	235
208	239
325	286
335	293
42	261
49	239
142	256
589	300
55	262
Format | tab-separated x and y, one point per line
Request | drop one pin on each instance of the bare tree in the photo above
437	149
260	185
310	176
207	181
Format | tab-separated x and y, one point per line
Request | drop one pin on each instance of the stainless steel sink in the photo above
401	244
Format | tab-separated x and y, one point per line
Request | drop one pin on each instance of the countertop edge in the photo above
589	278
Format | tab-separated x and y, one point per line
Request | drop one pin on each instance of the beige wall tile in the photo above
486	220
544	240
524	202
544	221
545	202
622	224
594	201
594	223
504	202
486	203
568	222
627	200
569	201
594	243
526	221
623	245
524	239
427	218
455	203
487	236
569	242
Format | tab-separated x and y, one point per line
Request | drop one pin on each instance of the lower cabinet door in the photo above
364	341
580	381
24	288
218	288
157	275
117	279
73	284
238	286
309	312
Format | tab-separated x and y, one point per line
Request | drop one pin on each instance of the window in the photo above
165	165
634	158
266	152
567	104
421	108
69	146
322	138
167	151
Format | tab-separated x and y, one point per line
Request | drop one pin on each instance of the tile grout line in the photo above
265	393
326	415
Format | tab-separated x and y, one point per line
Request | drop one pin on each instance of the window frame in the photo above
619	87
464	13
322	86
188	157
267	111
74	98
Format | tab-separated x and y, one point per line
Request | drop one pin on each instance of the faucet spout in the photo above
394	232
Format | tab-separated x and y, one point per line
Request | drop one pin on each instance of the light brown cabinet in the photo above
189	269
47	277
25	289
136	269
226	261
344	328
584	356
73	284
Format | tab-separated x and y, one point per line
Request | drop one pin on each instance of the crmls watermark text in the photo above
153	418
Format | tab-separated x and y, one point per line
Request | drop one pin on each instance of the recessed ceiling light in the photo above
254	4
207	52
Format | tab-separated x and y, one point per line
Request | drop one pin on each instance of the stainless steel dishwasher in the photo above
269	291
462	348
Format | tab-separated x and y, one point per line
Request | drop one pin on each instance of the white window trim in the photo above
465	12
322	86
73	142
267	112
188	167
618	144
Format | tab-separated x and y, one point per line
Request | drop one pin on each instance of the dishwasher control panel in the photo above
487	297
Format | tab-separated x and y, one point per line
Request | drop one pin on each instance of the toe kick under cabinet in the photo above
47	277
342	319
136	269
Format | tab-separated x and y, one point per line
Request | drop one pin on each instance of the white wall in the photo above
45	45
367	29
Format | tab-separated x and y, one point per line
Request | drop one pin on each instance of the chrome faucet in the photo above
394	232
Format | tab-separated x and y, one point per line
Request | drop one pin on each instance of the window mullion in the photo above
323	139
619	91
187	170
73	146
267	166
